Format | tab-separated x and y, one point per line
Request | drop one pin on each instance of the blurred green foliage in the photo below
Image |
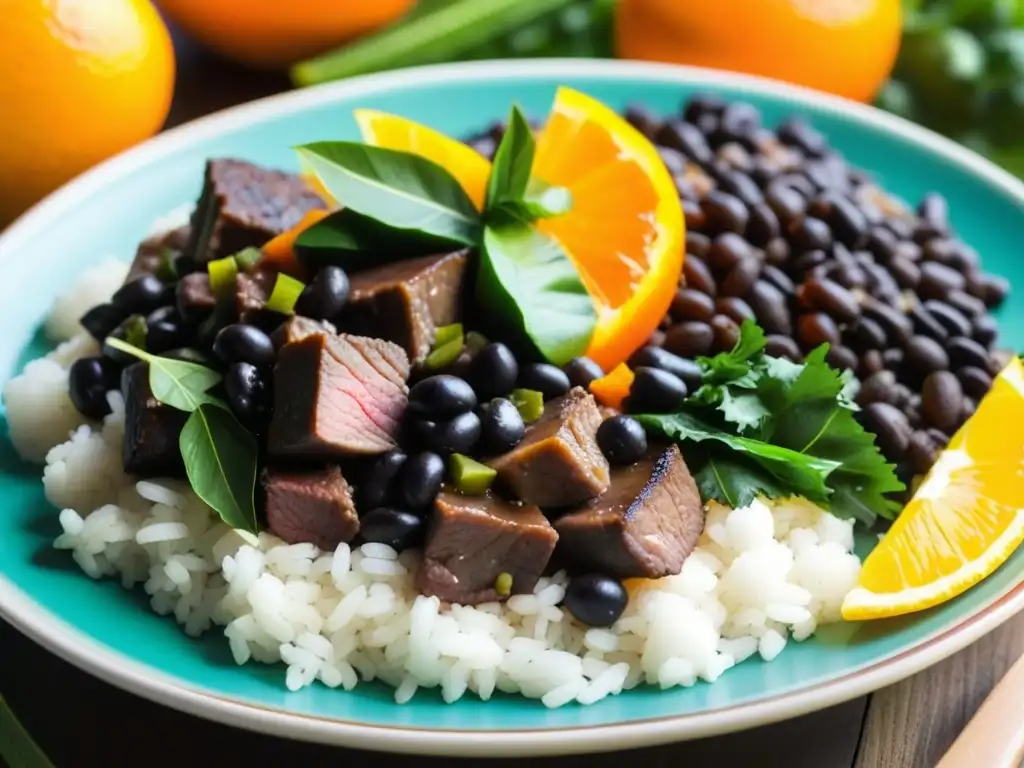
960	72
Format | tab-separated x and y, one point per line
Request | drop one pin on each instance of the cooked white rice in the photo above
761	576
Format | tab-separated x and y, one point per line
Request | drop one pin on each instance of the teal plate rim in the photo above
93	656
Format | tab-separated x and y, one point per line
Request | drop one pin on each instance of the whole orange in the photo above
80	80
846	47
275	33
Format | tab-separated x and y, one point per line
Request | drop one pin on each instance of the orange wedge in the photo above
468	166
965	520
625	229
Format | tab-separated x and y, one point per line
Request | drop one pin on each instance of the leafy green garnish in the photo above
220	461
17	747
399	189
510	172
176	383
247	258
780	429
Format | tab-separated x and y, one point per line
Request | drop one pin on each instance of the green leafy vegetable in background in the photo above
779	428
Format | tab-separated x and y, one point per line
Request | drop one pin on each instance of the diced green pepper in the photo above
135	331
222	275
469	475
503	584
530	403
247	258
447	334
286	292
475	342
442	357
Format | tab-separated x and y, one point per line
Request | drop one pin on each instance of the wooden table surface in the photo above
76	718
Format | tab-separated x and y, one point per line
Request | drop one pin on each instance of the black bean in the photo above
325	296
964	351
581	371
866	335
693	215
787	204
921	452
841	358
378	485
185	265
656	339
924	355
164	335
882	244
89	380
502	426
898	327
994	290
941	399
804	264
742	186
779	279
769	305
727	250
674	160
596	600
493	371
934	210
735	308
893	359
685	138
622	440
901	396
976	382
656	391
723	212
998	360
828	296
643	119
796	132
890	427
902	228
762	226
741	278
985	330
243	343
938	281
905	272
908	250
163	314
926	324
951	319
850	276
440	397
101	320
877	388
697	244
545	378
421	479
726	331
142	295
815	329
485	145
456	435
870	362
702	104
809	233
652	357
777	345
124	331
968	305
245	388
689	339
736	156
847	222
691	304
776	252
397	528
697	276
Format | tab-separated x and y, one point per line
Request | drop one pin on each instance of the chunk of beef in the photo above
149	257
558	462
314	507
337	396
151	429
645	524
195	297
407	301
252	289
474	539
242	206
297	327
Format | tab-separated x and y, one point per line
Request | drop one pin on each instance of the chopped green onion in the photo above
167	271
469	475
503	584
247	258
135	331
475	342
286	292
447	334
222	275
444	356
530	403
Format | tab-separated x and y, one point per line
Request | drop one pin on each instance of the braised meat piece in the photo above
297	327
644	525
151	428
242	206
314	507
472	540
195	297
252	289
405	302
558	463
149	257
337	396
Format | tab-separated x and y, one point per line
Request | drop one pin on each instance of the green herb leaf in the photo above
17	747
136	331
733	366
734	480
353	241
510	172
529	282
800	473
175	383
549	201
399	189
220	461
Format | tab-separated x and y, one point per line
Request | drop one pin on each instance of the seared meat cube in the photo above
195	297
242	206
314	507
407	301
252	290
644	525
297	327
474	539
151	428
558	463
337	396
149	258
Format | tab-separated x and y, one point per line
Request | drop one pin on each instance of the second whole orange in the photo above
845	47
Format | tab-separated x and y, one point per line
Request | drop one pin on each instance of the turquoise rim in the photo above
49	242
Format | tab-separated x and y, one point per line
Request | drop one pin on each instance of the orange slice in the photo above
965	520
468	166
625	230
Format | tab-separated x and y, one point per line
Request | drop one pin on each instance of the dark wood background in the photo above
81	721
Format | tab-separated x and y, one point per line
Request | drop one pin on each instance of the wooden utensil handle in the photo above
995	736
